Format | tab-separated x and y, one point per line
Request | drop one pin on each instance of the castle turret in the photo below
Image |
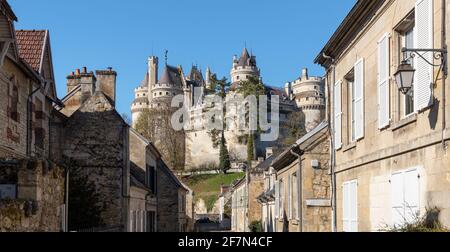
309	95
153	62
244	68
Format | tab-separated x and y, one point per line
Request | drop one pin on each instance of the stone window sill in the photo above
349	147
404	122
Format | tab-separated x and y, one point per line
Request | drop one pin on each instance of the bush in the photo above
427	223
256	227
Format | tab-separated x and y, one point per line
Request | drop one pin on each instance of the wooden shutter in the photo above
423	78
277	199
338	115
350	206
354	206
359	99
397	199
346	208
383	82
411	195
290	197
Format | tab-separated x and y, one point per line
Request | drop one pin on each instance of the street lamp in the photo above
404	76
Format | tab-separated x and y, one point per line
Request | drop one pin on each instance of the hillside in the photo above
207	187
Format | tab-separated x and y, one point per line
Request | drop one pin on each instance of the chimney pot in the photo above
77	72
84	70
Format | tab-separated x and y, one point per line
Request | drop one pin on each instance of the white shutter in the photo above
383	82
354	206
346	208
397	199
359	99
411	195
423	40
277	199
290	198
337	115
350	206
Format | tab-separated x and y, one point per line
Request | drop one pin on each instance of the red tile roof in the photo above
31	43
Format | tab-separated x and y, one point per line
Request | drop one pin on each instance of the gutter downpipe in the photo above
330	86
445	71
300	189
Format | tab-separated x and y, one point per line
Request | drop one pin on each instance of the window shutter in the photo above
397	199
383	83
423	78
411	195
359	99
354	206
346	207
338	115
277	199
290	198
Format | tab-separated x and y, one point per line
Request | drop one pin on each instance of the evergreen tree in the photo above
250	149
225	163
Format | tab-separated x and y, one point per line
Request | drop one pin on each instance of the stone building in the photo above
239	206
31	181
391	160
298	186
173	213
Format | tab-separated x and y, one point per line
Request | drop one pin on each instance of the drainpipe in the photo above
300	189
445	71
333	149
29	119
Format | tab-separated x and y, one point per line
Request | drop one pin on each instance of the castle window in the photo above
167	93
160	93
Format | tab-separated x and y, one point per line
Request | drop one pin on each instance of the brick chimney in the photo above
107	83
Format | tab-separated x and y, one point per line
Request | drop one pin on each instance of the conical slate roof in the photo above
245	56
171	76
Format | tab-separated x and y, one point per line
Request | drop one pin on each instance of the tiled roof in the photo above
31	44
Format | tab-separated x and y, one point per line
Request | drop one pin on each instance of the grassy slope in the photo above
207	187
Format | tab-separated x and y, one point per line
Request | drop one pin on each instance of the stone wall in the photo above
40	191
96	139
256	188
167	194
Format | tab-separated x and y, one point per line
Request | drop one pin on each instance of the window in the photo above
350	206
407	40
405	196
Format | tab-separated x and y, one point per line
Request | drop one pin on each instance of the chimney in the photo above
87	82
304	73
72	81
107	83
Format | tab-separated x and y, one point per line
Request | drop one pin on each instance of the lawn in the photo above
207	187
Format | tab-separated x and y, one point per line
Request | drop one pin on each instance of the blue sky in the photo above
285	35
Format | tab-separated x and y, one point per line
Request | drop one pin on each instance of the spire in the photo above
165	78
245	56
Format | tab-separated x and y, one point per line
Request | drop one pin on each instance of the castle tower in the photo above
244	68
309	95
153	63
208	78
169	85
141	100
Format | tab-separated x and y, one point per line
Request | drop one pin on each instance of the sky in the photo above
285	35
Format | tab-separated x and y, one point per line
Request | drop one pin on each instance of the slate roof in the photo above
171	75
31	44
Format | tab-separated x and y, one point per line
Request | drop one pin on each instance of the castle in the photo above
305	94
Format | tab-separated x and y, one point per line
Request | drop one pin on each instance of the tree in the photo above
155	125
250	149
220	88
252	87
225	163
293	129
85	206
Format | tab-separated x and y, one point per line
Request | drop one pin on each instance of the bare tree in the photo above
155	125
